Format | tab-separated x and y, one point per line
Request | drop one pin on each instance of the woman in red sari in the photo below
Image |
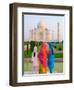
42	55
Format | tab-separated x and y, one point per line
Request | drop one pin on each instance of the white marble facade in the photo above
41	33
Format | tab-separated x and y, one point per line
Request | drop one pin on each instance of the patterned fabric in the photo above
42	55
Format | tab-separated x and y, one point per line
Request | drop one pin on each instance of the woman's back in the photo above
51	58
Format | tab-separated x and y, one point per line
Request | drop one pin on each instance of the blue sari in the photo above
51	58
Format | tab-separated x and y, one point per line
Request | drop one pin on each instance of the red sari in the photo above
42	55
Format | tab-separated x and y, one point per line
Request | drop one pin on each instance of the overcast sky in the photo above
31	21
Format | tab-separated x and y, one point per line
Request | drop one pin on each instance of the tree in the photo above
32	45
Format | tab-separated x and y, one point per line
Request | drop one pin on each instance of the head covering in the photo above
51	47
35	49
44	45
42	55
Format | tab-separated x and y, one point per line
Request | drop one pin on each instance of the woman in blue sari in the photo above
51	58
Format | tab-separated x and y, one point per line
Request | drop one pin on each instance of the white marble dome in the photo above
42	24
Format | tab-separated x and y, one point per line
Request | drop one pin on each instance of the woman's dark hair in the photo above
34	54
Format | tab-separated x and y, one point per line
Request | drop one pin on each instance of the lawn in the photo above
58	67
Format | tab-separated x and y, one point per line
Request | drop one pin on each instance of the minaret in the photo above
58	32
